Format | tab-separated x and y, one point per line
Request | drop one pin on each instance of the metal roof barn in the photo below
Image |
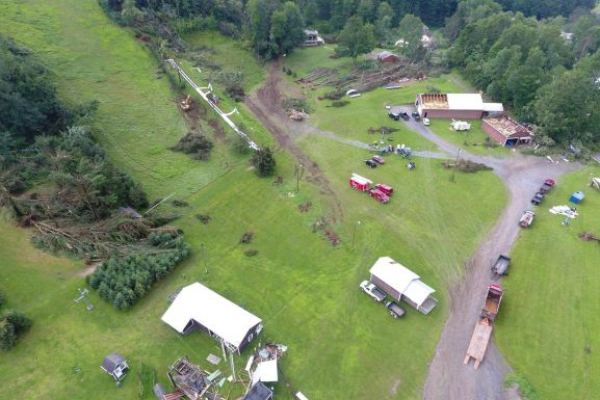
197	306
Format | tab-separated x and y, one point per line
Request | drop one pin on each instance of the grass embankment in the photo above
551	314
306	291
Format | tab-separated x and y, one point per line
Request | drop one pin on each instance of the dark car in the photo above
395	310
395	115
416	116
537	199
371	163
404	116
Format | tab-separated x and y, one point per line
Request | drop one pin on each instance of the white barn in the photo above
198	307
402	284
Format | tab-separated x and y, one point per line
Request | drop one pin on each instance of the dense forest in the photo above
56	179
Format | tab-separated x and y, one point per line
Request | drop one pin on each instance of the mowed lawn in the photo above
472	140
550	318
342	344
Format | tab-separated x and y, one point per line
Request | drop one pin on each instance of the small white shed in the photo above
402	284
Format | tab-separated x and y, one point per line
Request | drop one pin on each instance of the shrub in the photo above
247	238
235	91
204	218
195	144
8	337
180	203
263	162
240	145
339	103
2	299
251	253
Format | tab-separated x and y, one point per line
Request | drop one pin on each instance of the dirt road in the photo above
448	378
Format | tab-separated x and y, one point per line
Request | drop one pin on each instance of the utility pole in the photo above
204	258
354	232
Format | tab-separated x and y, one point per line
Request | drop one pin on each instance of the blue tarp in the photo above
576	197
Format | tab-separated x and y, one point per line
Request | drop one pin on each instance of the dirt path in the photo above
448	378
265	103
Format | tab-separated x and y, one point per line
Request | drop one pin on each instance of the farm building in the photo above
384	56
312	38
402	284
506	131
115	365
455	105
198	307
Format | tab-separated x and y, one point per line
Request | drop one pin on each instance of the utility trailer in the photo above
483	329
500	267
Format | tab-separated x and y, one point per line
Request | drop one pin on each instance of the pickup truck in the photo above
526	219
546	186
537	199
500	267
395	310
377	294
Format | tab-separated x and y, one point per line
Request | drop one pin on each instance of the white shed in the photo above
402	284
198	307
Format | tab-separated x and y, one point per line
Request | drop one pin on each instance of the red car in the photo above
378	159
388	190
379	195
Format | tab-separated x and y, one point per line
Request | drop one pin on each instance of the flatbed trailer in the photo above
483	329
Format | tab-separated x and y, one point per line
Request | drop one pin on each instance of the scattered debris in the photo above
204	218
189	379
187	103
567	211
247	238
296	115
305	207
466	166
588	236
213	359
333	237
595	183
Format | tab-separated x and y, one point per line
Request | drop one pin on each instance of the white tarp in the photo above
564	210
266	371
221	316
465	101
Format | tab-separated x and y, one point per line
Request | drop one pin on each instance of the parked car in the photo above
426	121
537	199
378	159
371	163
395	115
416	116
547	185
385	188
404	116
395	310
369	288
379	195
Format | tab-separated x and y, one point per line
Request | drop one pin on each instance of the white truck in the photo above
377	294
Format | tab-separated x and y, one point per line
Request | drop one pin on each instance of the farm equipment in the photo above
360	183
483	329
186	104
526	219
546	186
500	267
595	183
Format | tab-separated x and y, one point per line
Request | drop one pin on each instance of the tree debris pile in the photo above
197	145
466	166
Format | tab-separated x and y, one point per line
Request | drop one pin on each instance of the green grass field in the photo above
548	327
341	343
303	61
472	140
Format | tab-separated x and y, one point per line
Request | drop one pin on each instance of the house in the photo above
259	392
115	365
312	38
507	132
455	105
402	284
198	307
385	56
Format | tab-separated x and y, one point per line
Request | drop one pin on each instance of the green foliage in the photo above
28	102
264	162
410	30
356	38
240	145
339	103
124	280
195	144
12	326
2	298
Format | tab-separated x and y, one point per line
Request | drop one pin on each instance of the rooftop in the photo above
507	127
